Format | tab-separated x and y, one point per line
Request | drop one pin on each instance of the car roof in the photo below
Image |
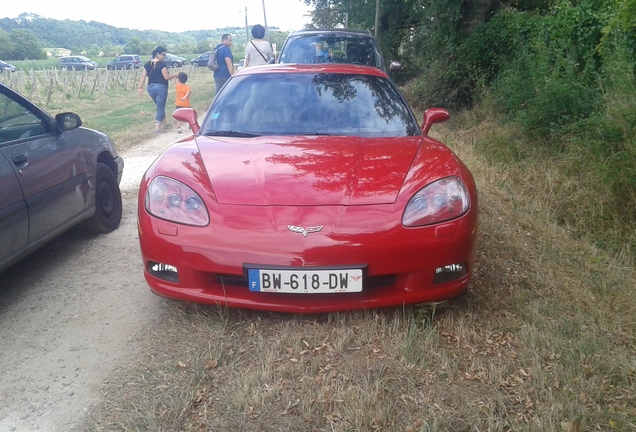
312	68
340	31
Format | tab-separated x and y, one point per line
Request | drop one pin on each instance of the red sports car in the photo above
308	188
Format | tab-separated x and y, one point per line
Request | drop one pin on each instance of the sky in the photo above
178	16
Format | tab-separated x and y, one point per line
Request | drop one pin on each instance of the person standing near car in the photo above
183	95
156	71
258	51
226	62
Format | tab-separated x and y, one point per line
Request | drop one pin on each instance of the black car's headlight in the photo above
172	200
440	201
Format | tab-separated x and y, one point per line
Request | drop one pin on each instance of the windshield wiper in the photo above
231	134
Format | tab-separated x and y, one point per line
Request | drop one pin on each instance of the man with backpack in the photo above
222	62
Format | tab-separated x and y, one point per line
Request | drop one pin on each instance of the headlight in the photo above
172	200
443	200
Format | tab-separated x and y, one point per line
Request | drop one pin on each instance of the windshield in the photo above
332	49
310	104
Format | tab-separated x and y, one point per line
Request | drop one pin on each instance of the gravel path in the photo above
72	312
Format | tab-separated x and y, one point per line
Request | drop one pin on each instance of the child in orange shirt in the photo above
183	94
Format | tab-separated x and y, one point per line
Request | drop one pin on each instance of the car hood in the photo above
308	170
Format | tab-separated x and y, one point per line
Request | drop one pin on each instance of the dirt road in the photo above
71	313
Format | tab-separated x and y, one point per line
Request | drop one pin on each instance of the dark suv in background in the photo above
127	61
201	60
334	46
174	61
4	66
71	63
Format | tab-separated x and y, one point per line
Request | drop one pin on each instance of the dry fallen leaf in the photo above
571	426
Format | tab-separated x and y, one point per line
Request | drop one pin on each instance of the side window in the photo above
17	121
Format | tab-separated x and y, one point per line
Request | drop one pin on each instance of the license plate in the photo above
305	281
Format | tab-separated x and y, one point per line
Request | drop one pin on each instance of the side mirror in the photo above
395	66
67	121
189	116
432	116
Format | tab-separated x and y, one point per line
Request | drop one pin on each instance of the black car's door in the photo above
14	218
50	167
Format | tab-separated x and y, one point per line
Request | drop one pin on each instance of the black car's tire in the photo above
108	205
176	65
110	67
63	68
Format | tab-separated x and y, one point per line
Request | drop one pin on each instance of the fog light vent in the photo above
449	272
163	271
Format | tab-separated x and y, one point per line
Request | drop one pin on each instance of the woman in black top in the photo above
157	72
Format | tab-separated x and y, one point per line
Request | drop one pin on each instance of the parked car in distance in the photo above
334	46
308	188
128	61
201	60
54	175
4	66
71	63
174	61
240	65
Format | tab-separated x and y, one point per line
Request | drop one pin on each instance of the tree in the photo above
205	45
133	46
25	46
6	45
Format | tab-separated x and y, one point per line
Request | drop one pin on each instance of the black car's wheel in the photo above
63	68
108	205
176	65
109	67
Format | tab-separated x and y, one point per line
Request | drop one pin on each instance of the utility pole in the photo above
247	33
377	17
265	21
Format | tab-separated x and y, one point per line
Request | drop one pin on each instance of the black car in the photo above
71	63
4	66
334	46
54	174
174	61
201	60
127	61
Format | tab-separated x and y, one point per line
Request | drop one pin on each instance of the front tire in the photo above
108	205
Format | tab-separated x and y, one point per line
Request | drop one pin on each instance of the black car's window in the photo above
310	104
331	49
18	121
